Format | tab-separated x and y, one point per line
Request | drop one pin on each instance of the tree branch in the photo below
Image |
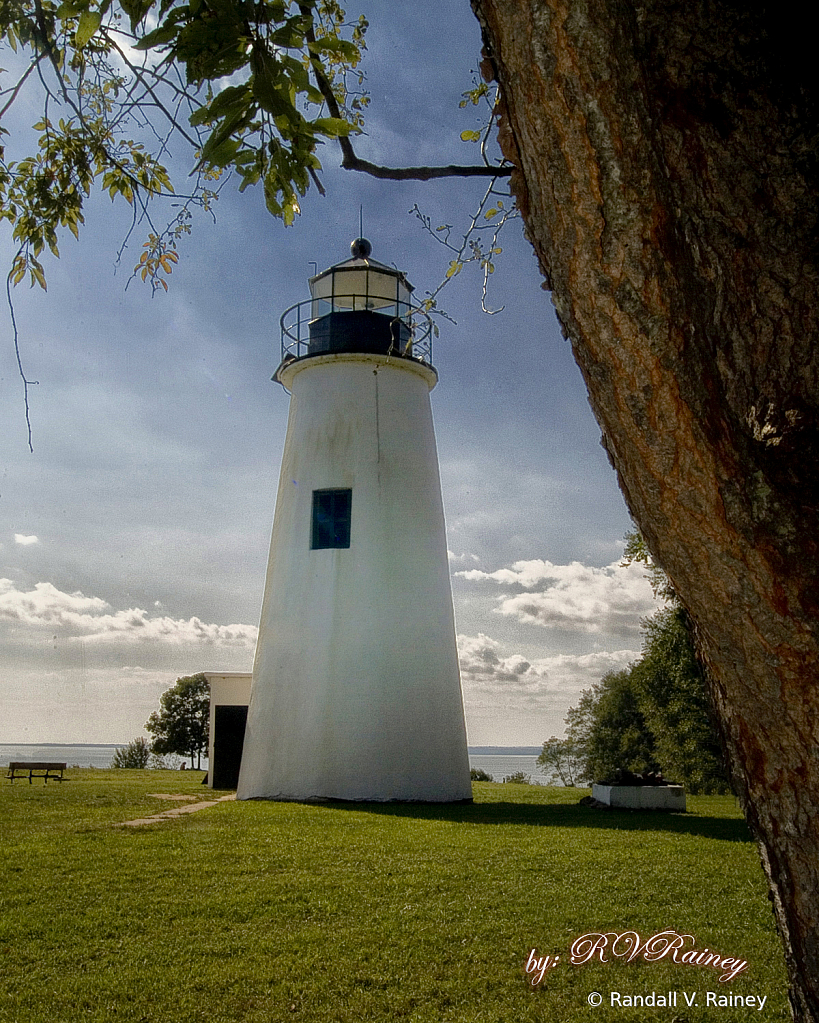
350	161
26	382
20	84
453	170
138	74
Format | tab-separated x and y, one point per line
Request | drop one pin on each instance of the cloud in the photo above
25	541
514	700
76	617
573	597
462	559
486	671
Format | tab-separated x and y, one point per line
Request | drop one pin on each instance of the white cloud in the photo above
574	597
486	671
92	620
26	541
462	559
514	700
481	661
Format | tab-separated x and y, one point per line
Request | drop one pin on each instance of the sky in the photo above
134	539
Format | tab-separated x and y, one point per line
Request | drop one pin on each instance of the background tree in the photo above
618	737
182	724
672	694
517	778
135	755
654	715
668	175
562	760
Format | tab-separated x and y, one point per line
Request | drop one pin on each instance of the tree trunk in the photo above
667	174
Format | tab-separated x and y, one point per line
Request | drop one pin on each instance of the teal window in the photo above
331	519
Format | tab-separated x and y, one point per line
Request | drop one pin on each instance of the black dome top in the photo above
361	248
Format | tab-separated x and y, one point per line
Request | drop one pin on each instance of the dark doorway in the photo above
229	723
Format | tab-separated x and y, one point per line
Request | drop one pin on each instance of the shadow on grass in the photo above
726	829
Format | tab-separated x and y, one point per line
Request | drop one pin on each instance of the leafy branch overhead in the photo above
250	86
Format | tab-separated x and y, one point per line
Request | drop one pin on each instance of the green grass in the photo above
349	912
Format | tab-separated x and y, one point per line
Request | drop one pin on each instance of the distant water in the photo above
88	754
500	763
501	766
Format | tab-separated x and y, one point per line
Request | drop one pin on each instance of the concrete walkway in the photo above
177	811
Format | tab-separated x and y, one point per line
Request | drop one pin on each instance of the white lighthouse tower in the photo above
356	690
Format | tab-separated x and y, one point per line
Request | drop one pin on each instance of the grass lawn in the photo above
357	912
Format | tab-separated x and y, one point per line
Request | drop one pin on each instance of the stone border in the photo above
641	797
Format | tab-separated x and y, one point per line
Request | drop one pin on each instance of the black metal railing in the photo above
350	324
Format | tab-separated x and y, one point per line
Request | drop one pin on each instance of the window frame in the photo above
335	533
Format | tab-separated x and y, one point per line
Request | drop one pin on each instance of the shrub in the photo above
134	755
478	774
169	762
562	761
518	778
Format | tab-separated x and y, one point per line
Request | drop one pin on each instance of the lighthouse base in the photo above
356	691
328	800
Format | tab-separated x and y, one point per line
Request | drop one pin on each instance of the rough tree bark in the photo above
667	173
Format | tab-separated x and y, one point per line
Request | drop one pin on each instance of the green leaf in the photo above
222	152
71	8
164	34
136	10
470	136
89	23
338	47
200	116
232	100
290	36
275	98
333	127
37	275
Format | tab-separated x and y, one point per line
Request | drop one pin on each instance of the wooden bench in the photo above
19	769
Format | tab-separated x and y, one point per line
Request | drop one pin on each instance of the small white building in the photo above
229	698
356	688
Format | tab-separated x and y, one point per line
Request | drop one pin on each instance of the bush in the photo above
478	774
518	778
169	762
562	761
134	755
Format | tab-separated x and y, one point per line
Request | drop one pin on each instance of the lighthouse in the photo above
356	689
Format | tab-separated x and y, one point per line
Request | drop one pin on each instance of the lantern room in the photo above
358	305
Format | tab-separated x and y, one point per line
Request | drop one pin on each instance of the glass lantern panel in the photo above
351	289
321	291
358	288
